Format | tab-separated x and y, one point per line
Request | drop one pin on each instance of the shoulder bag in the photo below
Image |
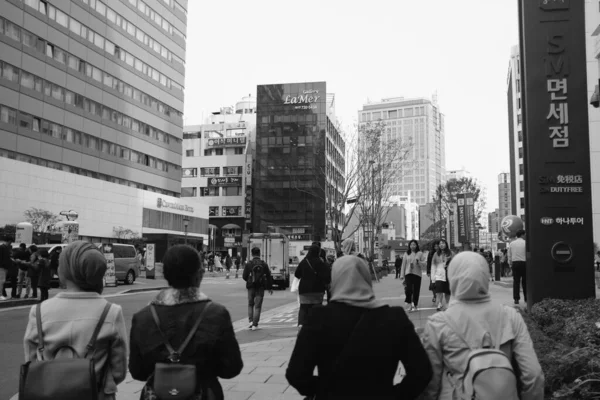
174	380
62	378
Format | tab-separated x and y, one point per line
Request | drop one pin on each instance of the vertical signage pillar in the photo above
556	145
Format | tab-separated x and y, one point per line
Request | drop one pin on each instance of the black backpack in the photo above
257	277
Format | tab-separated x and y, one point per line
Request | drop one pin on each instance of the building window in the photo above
522	186
208	152
232	171
189	192
520	152
521	169
190	172
218	152
209	191
213	211
238	150
520	135
232	191
189	153
210	171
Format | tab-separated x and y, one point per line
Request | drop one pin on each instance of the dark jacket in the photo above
313	280
44	273
367	369
5	257
54	257
268	284
214	349
33	270
429	260
398	263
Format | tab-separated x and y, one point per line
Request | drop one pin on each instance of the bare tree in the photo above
122	233
42	220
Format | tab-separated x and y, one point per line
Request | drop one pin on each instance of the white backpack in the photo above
489	374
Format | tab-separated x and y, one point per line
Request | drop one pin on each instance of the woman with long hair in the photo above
434	249
412	273
314	276
439	271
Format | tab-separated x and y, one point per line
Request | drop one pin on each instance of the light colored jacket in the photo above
413	263
69	319
474	312
438	267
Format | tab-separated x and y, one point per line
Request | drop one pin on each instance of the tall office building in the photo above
91	106
504	196
300	161
515	131
420	123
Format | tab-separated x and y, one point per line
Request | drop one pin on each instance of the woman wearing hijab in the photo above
473	312
70	317
314	276
412	273
341	339
213	349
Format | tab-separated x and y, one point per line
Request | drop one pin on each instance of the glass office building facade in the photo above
292	169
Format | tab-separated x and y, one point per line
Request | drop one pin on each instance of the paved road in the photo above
231	293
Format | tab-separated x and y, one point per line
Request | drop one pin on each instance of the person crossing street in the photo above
258	278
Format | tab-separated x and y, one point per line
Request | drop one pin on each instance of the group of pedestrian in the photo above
26	268
182	342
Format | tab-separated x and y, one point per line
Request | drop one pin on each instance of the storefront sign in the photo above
225	181
161	203
463	235
232	244
556	147
232	211
471	220
110	277
248	202
561	184
307	96
226	142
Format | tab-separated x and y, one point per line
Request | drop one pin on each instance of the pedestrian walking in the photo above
44	274
439	272
412	273
69	319
341	340
398	265
314	276
471	322
54	258
434	248
21	258
32	271
517	259
6	264
182	317
258	278
228	262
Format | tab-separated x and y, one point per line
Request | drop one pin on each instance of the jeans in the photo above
255	300
413	288
43	294
397	272
519	275
24	282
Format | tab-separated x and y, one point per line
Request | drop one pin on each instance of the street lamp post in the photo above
186	221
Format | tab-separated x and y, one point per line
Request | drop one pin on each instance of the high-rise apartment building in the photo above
300	161
91	113
515	130
504	195
419	124
494	221
217	171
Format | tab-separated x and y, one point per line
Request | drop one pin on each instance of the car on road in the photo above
127	265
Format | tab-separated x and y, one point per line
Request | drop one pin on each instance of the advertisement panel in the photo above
226	142
150	260
225	181
463	234
110	277
556	146
471	220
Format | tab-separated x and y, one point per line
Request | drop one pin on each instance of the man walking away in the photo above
258	278
398	265
12	274
5	262
22	258
516	259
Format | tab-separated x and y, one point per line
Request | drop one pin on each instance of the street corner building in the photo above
299	163
91	114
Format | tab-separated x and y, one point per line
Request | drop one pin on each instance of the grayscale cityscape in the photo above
322	200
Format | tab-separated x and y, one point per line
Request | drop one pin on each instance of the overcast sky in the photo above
366	50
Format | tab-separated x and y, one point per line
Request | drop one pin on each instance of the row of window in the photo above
212	171
101	8
219	152
27	121
80	171
171	3
151	14
393	114
33	82
32	41
211	191
105	44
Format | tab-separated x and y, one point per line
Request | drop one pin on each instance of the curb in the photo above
504	284
17	303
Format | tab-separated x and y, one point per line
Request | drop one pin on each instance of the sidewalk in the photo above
266	352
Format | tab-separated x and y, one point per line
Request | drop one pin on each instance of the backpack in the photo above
173	380
257	277
489	374
62	378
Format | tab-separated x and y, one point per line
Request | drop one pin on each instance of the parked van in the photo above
127	265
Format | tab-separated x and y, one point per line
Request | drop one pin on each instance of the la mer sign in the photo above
307	96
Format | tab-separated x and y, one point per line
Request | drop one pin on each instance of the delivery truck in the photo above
274	250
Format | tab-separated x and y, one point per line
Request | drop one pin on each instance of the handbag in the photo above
174	380
295	285
63	378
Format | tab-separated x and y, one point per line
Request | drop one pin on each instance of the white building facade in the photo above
420	123
592	32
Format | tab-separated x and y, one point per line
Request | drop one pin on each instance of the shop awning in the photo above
231	226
